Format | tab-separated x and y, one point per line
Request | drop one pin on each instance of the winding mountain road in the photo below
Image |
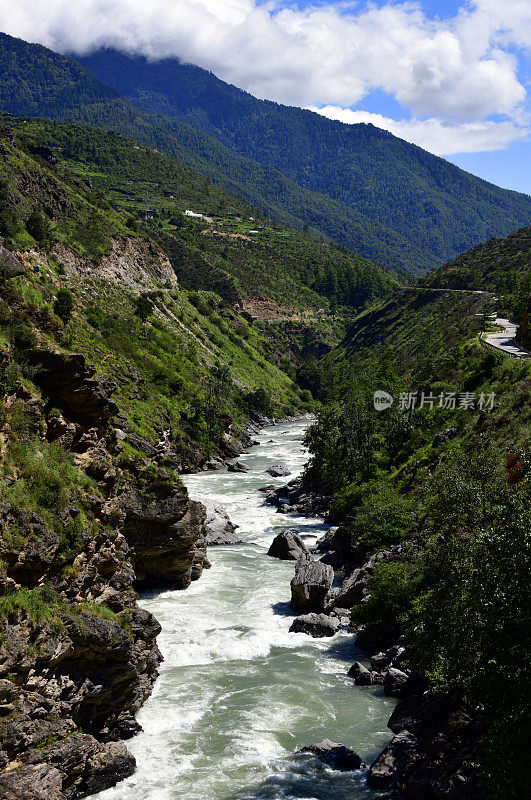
504	340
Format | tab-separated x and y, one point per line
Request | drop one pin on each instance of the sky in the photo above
452	76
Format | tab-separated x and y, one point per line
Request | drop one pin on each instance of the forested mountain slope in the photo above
431	491
113	380
36	81
235	251
439	207
163	346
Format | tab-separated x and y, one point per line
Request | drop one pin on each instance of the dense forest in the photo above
444	473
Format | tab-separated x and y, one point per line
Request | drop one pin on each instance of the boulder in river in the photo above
287	546
278	471
316	625
238	467
362	676
335	755
310	585
395	681
219	529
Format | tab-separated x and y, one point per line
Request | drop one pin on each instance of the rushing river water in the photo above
237	693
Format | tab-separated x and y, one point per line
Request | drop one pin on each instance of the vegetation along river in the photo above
238	694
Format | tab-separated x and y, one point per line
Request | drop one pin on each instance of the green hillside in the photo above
31	86
289	267
180	359
444	473
436	206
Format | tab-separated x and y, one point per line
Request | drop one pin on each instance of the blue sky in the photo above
452	76
509	165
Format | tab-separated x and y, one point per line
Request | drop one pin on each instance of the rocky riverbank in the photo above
437	737
78	657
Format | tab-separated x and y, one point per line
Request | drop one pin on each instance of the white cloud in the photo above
441	137
457	72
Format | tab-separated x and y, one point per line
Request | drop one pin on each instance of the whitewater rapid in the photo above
237	693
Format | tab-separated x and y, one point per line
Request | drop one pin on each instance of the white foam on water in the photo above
237	692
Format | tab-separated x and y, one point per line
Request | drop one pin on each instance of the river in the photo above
237	693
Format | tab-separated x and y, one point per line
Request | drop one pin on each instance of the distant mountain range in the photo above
359	185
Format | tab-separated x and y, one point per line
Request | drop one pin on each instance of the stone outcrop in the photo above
10	266
78	657
335	755
310	585
69	690
167	537
219	529
130	262
287	546
437	740
28	546
70	384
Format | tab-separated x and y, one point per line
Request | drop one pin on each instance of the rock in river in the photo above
335	755
287	546
219	529
238	466
278	471
310	585
316	625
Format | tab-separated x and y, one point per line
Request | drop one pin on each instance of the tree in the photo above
8	218
143	307
38	226
64	305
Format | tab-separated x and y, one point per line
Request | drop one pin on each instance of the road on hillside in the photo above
504	340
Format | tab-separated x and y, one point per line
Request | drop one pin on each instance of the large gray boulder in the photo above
362	676
310	585
287	546
395	681
278	471
219	529
335	755
10	266
316	625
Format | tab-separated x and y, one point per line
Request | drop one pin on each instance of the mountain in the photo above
230	249
377	195
35	81
430	492
417	332
72	238
439	207
113	380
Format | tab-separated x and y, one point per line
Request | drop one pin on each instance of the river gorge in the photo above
238	693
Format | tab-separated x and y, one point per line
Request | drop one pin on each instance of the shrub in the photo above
143	307
64	305
38	226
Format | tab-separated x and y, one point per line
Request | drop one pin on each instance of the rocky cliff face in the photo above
77	655
130	262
